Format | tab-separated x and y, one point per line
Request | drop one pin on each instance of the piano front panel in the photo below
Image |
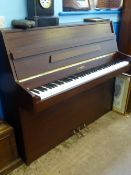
44	130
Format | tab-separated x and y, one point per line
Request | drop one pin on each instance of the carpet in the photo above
105	149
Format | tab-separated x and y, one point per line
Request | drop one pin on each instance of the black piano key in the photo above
54	85
82	74
66	80
73	77
48	86
45	89
69	79
41	89
51	85
37	92
58	82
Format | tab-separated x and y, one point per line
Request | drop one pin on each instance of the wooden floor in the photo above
104	150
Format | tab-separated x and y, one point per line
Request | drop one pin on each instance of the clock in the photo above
45	3
42	11
39	8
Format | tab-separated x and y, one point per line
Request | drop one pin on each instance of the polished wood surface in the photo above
129	103
125	36
43	40
42	45
31	55
128	110
125	28
43	130
9	158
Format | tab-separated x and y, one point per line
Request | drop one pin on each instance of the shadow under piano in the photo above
58	79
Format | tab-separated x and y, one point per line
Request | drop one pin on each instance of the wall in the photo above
16	9
13	9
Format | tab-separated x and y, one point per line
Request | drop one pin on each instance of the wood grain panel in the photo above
125	28
64	73
33	42
44	130
26	67
77	51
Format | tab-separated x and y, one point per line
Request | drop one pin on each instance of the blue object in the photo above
15	9
116	26
90	12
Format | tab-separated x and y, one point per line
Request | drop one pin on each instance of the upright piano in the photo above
57	80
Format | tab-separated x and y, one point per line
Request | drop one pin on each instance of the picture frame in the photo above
76	5
109	4
122	93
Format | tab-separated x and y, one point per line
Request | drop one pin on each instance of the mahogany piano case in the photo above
66	58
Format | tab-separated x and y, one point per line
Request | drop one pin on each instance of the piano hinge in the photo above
63	68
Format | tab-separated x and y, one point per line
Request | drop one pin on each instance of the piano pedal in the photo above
85	127
81	133
76	132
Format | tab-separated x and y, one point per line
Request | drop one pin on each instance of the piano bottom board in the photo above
44	130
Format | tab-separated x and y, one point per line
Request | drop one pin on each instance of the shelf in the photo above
114	11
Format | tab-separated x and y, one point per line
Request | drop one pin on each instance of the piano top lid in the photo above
30	51
22	43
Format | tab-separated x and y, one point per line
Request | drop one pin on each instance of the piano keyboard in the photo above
68	83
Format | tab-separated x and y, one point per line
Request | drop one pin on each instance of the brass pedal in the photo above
81	133
76	132
85	127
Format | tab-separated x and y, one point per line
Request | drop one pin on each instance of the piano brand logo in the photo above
80	68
